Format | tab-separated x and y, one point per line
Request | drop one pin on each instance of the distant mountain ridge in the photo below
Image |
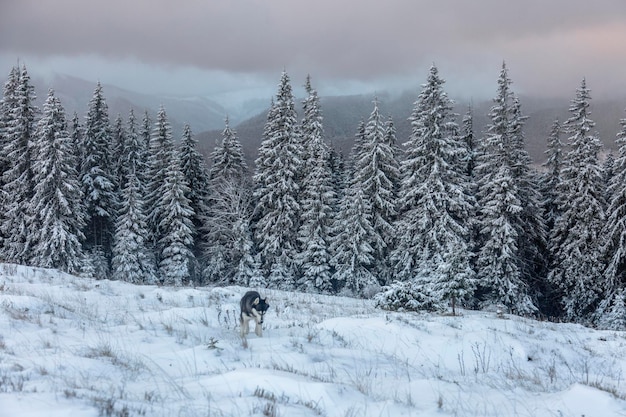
342	114
200	112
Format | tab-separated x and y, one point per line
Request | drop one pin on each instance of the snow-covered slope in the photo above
78	347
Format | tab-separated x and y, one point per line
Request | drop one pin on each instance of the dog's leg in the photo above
258	330
245	328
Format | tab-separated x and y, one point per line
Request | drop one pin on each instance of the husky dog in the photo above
253	307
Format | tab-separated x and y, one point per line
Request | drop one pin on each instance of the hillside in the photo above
73	346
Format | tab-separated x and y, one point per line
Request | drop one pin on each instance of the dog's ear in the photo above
256	301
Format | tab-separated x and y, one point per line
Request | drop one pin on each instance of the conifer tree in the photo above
353	255
133	258
229	249
7	104
119	152
468	137
145	135
575	239
228	158
18	178
377	168
228	246
436	203
176	227
317	200
551	180
56	208
501	169
614	247
533	236
197	177
98	181
160	155
276	189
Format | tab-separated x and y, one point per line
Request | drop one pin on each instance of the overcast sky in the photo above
214	47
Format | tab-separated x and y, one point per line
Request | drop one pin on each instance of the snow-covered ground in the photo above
79	347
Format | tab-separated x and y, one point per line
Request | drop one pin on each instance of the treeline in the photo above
445	218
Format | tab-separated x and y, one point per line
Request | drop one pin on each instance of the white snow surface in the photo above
73	346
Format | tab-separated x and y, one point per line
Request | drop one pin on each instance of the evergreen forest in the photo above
443	219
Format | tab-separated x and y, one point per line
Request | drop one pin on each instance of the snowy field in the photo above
78	347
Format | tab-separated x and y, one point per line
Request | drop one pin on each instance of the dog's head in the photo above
261	307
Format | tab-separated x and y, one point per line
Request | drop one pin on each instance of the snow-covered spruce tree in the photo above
118	152
533	242
76	134
276	190
98	183
56	208
160	155
353	255
228	248
229	162
551	179
502	212
317	200
195	172
133	259
614	247
133	255
6	105
145	135
135	154
468	137
576	237
175	226
18	178
377	169
435	200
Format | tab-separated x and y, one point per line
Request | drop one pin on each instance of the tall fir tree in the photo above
576	237
436	202
276	190
133	260
7	104
501	167
353	255
160	156
119	136
176	228
317	200
228	245
533	243
18	178
551	179
228	159
614	247
197	177
98	182
133	256
377	168
57	207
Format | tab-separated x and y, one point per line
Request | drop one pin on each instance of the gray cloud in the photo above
549	45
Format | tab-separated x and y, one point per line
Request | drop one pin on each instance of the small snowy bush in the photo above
406	296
